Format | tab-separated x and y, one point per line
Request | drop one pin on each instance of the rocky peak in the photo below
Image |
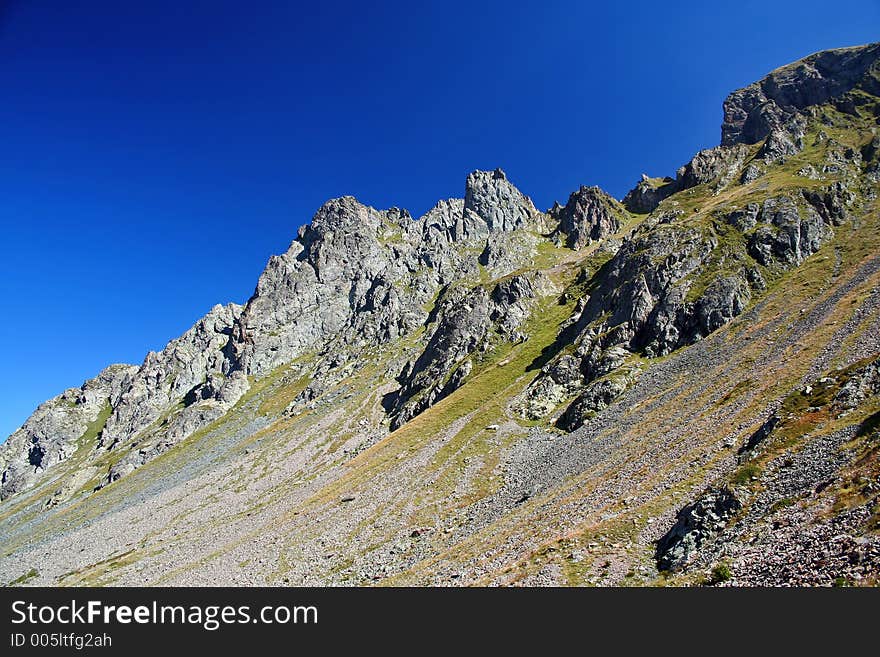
754	112
347	215
773	109
491	197
439	223
589	215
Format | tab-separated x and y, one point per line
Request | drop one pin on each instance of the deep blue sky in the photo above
154	154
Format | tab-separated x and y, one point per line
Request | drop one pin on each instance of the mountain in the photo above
681	387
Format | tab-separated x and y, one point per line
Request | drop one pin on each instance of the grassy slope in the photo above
586	541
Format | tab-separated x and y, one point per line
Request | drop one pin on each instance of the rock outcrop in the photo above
596	396
861	384
468	324
648	193
775	111
696	524
170	375
787	232
368	273
717	167
659	292
56	429
590	215
766	107
497	203
675	282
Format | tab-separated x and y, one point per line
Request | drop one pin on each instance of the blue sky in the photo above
154	154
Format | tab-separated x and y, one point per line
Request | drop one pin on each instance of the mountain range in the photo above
679	387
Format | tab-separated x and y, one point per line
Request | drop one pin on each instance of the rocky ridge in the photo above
354	273
583	301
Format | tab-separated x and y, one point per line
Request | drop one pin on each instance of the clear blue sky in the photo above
154	154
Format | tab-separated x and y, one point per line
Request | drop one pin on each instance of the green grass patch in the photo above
94	428
744	475
23	579
283	395
784	503
720	573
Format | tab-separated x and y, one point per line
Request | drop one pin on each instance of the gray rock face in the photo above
725	297
350	257
53	433
499	204
469	323
640	303
648	308
169	376
646	196
861	384
787	233
354	277
504	253
589	215
559	380
744	219
756	111
204	404
596	396
673	284
368	273
784	139
751	173
695	524
832	203
759	436
871	154
719	165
